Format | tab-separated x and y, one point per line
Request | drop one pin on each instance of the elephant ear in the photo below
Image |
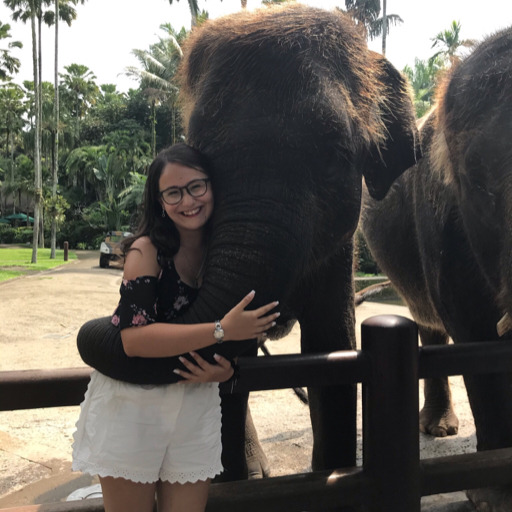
399	148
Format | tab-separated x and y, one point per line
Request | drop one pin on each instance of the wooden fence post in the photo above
390	414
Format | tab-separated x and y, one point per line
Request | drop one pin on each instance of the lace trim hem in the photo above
142	477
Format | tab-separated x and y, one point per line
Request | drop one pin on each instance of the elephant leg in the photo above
437	416
234	413
490	397
257	463
328	324
492	499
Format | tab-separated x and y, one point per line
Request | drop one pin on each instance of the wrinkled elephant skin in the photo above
443	235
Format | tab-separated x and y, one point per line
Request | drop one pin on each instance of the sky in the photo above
106	31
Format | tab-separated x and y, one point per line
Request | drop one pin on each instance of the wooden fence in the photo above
392	477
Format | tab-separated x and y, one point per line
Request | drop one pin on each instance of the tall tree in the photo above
8	63
25	10
366	13
194	10
80	86
156	73
63	9
450	42
11	123
55	163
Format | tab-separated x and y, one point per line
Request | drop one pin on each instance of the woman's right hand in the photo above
240	324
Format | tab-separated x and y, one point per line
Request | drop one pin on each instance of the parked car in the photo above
110	249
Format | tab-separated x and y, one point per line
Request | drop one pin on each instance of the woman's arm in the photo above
165	339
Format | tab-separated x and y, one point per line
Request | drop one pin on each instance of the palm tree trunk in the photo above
40	96
37	146
153	128
55	181
384	27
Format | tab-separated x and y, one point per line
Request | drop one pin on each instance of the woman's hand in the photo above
240	324
203	371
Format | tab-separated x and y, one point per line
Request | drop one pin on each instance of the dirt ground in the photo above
40	316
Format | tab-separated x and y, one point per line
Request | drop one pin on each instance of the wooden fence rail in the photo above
392	477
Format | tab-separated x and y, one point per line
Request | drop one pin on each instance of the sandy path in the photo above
39	318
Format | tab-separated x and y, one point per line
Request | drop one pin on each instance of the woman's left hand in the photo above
202	371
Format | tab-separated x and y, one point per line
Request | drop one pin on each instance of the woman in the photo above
164	440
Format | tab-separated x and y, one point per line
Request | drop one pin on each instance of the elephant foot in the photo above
492	499
257	462
258	469
439	422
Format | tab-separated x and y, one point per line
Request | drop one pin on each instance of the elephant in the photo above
443	237
292	110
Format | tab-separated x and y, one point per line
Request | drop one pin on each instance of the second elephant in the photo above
443	235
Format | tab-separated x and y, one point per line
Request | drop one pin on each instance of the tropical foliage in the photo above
423	79
449	43
79	150
426	74
367	12
9	64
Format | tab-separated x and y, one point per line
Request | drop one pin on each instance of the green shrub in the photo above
80	235
10	235
363	259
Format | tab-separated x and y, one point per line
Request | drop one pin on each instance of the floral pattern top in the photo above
150	299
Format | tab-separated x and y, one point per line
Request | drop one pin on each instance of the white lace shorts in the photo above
146	434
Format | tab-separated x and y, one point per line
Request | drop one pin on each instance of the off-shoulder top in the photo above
149	299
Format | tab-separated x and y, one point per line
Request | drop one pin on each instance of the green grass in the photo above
16	261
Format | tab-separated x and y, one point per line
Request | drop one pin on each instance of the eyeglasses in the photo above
196	188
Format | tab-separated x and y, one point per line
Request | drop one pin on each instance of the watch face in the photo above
218	334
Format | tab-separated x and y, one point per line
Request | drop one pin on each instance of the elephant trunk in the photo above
247	252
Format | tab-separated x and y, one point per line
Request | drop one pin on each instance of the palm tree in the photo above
63	10
79	84
450	42
21	183
424	78
110	172
80	164
158	68
25	10
55	166
366	13
8	63
11	120
194	10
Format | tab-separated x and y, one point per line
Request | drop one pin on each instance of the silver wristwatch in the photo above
218	333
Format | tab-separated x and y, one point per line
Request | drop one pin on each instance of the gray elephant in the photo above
443	235
292	110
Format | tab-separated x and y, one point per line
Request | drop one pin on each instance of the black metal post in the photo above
390	414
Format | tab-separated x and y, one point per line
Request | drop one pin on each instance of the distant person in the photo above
164	440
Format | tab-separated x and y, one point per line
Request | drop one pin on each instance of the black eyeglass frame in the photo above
186	187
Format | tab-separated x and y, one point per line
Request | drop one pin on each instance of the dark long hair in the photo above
161	230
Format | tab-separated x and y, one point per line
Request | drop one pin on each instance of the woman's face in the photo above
191	213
